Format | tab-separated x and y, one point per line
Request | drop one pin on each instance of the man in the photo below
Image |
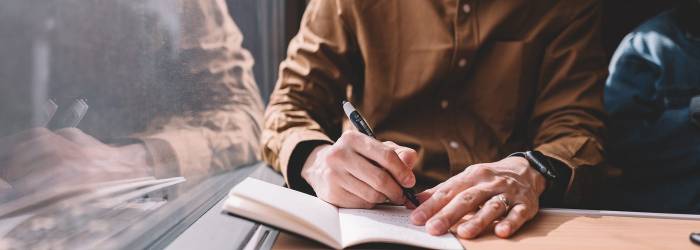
460	85
170	92
652	96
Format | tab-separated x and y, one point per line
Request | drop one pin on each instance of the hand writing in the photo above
359	171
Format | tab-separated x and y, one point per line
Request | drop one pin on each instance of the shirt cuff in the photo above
162	158
179	153
582	155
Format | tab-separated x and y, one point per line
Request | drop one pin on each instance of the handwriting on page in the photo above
394	215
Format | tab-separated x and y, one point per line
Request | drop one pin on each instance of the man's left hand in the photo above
507	190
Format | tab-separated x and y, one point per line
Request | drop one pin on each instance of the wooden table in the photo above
572	229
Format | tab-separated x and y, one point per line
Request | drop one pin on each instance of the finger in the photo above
489	212
425	195
515	219
432	200
409	156
432	205
26	136
77	136
463	203
421	197
362	190
24	155
383	155
345	199
376	178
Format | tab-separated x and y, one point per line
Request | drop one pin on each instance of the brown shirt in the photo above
221	130
462	82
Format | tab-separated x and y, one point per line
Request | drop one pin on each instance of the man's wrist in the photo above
539	181
136	157
297	161
555	173
310	159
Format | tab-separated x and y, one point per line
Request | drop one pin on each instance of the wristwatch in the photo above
539	162
554	171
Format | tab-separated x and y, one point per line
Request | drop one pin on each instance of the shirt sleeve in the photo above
221	126
305	104
567	119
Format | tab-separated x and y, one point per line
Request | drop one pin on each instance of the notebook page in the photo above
388	224
299	205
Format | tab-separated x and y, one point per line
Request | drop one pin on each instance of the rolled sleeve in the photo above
313	79
220	125
568	114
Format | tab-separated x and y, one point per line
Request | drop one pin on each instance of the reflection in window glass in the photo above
111	109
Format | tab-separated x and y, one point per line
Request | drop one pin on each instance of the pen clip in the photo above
71	117
49	110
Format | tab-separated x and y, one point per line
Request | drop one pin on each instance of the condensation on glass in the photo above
112	109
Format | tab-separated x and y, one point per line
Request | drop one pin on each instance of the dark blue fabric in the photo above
653	75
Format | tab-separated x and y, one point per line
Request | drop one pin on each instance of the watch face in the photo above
545	164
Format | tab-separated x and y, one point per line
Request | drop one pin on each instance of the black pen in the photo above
361	124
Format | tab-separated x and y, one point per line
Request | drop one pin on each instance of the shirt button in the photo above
454	144
462	62
444	104
466	8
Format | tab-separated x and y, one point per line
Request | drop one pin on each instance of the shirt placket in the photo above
464	27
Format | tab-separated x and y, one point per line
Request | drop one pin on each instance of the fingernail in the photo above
436	226
408	181
503	230
418	217
465	231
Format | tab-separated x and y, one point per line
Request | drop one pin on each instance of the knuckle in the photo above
481	170
466	198
387	155
522	209
495	205
519	213
440	194
500	182
481	191
517	216
383	180
376	197
510	182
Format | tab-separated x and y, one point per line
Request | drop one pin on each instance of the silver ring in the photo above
506	202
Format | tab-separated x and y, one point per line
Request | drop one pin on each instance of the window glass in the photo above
112	111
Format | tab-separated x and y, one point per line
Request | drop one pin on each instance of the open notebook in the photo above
338	228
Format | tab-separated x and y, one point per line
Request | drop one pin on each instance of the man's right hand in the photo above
359	171
38	158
